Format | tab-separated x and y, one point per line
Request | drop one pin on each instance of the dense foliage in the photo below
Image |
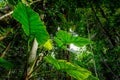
36	38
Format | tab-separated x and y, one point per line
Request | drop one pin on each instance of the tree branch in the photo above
6	15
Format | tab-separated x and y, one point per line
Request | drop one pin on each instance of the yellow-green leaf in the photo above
48	44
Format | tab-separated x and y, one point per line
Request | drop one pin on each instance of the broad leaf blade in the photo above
4	63
71	69
79	41
60	43
53	61
74	70
31	23
66	38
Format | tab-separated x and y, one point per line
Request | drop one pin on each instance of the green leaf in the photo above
66	38
61	16
79	41
31	23
4	63
53	61
71	69
60	43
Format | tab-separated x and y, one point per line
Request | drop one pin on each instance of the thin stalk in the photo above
4	52
31	59
94	63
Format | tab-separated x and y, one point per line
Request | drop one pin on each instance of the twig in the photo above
4	36
8	14
4	52
91	48
34	2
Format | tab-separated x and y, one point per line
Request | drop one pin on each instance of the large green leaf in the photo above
60	43
71	69
31	23
79	41
53	61
4	63
66	38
